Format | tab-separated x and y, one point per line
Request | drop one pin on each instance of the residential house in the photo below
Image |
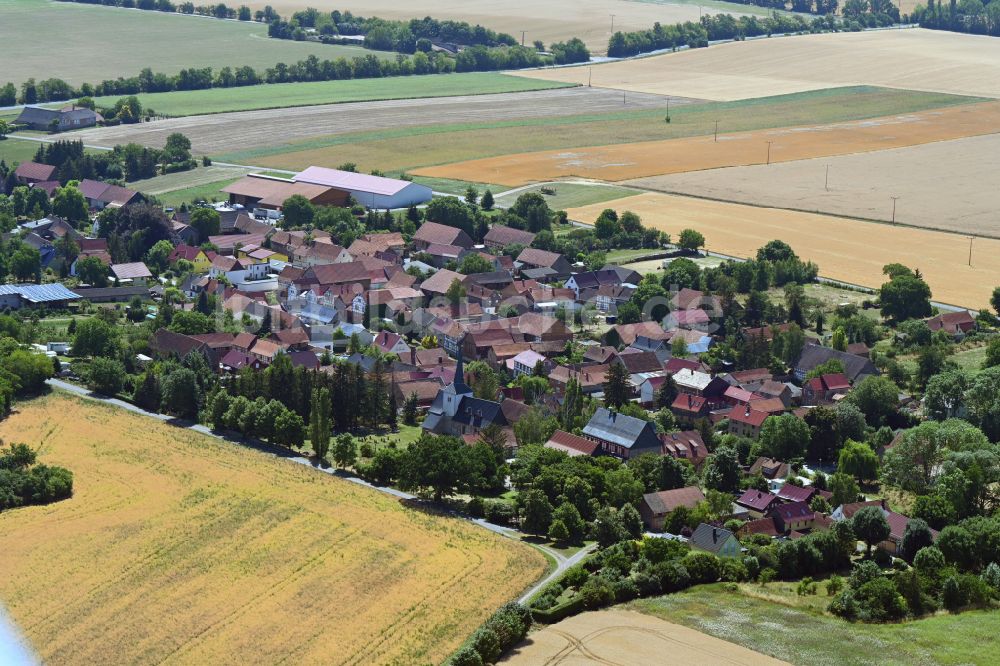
533	258
133	273
825	389
700	383
897	522
391	343
67	118
500	236
525	362
201	261
100	195
757	503
620	435
29	173
790	493
956	324
856	368
715	540
689	408
769	468
592	280
437	285
792	516
685	445
432	233
572	445
747	421
655	507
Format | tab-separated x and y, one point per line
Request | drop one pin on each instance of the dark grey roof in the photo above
814	355
494	277
617	428
540	274
36	114
479	413
367	363
628	275
707	537
592	279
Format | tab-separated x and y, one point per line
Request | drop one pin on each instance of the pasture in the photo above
622	161
590	120
589	20
915	59
570	195
775	621
82	43
625	637
940	185
281	95
179	547
848	250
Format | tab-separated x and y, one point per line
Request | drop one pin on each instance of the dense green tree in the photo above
345	450
844	488
536	512
877	398
206	222
94	337
784	437
181	395
69	204
690	240
905	296
722	471
297	211
319	422
870	525
435	463
858	460
105	375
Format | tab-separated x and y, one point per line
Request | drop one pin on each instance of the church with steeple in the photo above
456	411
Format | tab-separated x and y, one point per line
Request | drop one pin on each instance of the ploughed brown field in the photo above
915	59
943	185
785	144
848	250
180	548
627	637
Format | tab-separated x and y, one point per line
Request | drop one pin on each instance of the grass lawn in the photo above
777	622
971	359
136	39
280	95
16	150
571	195
408	148
629	256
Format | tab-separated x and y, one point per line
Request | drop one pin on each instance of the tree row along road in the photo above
561	561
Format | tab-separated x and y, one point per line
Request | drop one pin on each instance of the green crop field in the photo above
279	95
90	43
420	146
571	195
777	622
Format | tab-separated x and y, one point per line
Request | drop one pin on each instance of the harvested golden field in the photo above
848	250
915	59
553	21
939	185
178	547
627	637
785	144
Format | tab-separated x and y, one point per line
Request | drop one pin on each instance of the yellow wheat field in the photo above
182	549
848	250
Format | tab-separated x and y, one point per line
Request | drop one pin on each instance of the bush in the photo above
952	595
703	567
499	512
834	585
575	576
625	589
486	642
879	601
475	507
732	571
466	656
596	593
105	375
844	605
673	576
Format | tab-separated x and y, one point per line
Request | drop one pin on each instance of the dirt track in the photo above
861	185
651	158
848	250
619	637
227	132
915	59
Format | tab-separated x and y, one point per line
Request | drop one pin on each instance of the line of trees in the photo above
725	26
973	16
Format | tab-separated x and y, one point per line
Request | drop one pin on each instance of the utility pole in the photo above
590	75
826	183
894	209
623	98
716	131
769	151
612	24
522	37
971	238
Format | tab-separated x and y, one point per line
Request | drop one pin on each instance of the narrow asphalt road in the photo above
562	562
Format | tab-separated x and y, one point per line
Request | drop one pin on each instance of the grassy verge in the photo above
571	195
777	622
15	150
421	146
281	95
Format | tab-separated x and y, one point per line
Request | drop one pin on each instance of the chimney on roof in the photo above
715	535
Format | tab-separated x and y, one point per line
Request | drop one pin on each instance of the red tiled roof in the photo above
574	445
666	501
751	417
34	171
791	493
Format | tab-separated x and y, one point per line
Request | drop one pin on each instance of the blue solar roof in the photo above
39	293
